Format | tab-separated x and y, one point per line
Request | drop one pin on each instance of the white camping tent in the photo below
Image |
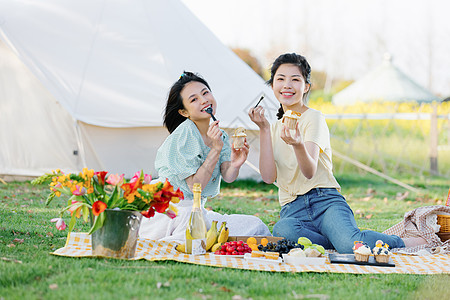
84	83
384	83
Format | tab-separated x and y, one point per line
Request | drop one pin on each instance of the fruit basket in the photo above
444	221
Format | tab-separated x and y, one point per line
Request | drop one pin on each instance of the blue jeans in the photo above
323	216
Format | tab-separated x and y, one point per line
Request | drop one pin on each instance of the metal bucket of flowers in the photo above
113	205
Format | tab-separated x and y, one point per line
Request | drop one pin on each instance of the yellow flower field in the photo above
393	144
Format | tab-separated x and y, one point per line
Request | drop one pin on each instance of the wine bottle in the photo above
196	228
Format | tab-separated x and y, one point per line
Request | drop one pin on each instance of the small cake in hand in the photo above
290	118
362	251
239	138
381	252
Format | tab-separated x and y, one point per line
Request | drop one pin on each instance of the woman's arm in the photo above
230	169
307	153
204	173
266	159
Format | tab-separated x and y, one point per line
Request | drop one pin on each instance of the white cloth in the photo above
161	227
416	224
431	221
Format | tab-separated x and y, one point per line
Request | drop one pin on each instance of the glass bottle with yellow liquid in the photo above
196	228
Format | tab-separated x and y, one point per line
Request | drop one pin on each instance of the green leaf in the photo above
114	199
50	198
98	223
85	210
72	222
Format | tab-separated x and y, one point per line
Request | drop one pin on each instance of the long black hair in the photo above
172	118
301	63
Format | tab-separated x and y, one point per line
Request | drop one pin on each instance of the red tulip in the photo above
98	207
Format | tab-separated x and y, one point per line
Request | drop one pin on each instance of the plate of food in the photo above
298	260
227	255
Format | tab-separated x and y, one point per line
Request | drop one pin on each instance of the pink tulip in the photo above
172	211
72	208
115	179
60	224
147	178
79	191
171	214
136	176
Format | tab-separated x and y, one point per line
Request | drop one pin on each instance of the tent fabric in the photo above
384	83
36	132
94	76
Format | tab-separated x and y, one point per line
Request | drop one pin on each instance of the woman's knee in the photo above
285	228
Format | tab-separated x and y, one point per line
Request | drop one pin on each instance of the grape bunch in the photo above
281	246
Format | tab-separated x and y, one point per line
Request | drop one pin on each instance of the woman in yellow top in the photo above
300	162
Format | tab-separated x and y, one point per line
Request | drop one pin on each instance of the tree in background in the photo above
249	59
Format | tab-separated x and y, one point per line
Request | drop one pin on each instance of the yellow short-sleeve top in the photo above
290	180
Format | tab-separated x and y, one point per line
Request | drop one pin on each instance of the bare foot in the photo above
414	242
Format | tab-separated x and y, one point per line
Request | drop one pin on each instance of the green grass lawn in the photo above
27	270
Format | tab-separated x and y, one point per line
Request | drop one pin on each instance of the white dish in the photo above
262	260
220	255
297	260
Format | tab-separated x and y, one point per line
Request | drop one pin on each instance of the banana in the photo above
224	232
181	248
216	247
211	235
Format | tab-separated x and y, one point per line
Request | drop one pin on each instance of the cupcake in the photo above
290	119
239	138
362	251
381	252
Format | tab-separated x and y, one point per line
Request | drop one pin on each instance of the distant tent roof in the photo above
384	83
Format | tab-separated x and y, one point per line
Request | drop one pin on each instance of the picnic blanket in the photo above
79	245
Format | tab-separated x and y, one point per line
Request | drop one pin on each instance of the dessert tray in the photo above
224	255
350	259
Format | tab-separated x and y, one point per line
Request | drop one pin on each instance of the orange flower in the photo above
131	190
98	207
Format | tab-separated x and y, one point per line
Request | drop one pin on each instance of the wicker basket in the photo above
444	221
444	236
